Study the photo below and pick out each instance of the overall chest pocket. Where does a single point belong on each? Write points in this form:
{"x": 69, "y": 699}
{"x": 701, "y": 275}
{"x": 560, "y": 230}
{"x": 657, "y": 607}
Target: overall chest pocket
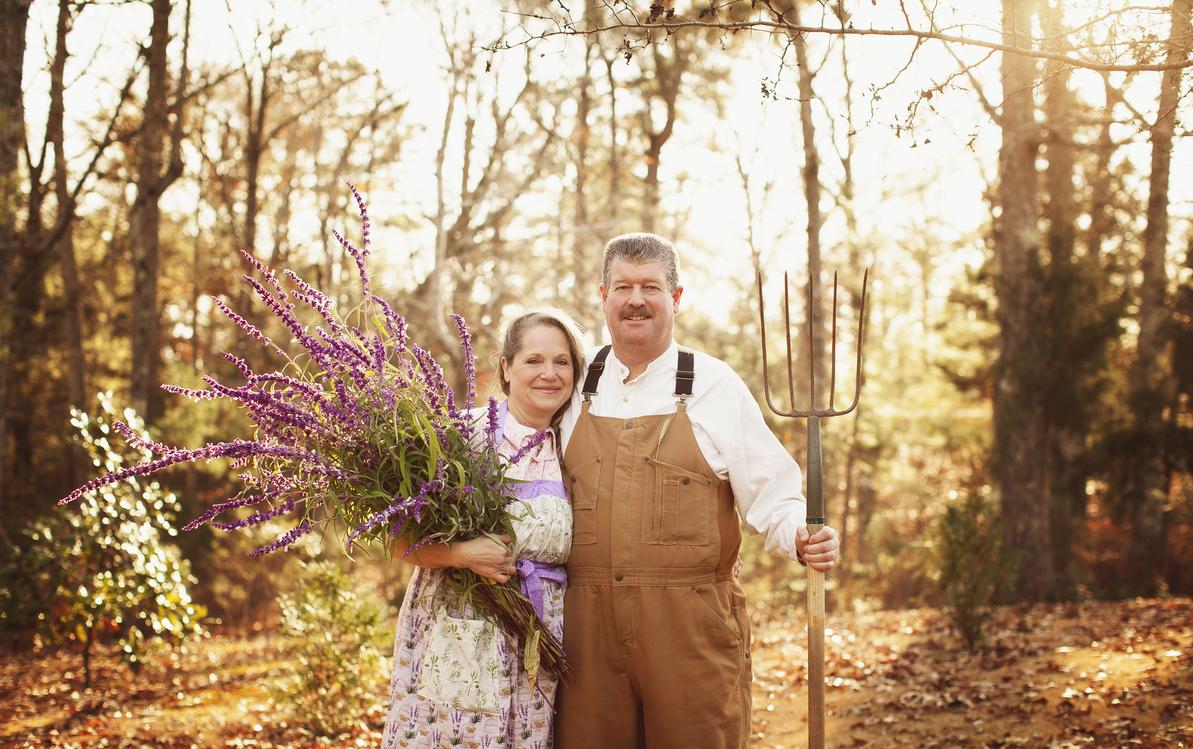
{"x": 582, "y": 486}
{"x": 677, "y": 505}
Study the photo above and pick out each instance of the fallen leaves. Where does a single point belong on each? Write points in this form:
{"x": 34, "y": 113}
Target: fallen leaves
{"x": 1054, "y": 677}
{"x": 1098, "y": 674}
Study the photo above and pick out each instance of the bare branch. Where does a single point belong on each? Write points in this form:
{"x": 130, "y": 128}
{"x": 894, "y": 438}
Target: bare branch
{"x": 563, "y": 26}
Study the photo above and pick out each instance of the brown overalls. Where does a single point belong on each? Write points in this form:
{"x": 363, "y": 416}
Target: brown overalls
{"x": 655, "y": 624}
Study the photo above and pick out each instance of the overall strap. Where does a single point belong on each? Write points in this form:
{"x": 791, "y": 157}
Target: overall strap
{"x": 595, "y": 369}
{"x": 685, "y": 373}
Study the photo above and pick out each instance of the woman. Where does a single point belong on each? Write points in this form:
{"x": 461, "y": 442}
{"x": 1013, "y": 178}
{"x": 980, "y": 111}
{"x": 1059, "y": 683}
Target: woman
{"x": 458, "y": 680}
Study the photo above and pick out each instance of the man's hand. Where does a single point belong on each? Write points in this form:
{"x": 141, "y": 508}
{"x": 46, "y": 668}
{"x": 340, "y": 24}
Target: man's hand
{"x": 819, "y": 551}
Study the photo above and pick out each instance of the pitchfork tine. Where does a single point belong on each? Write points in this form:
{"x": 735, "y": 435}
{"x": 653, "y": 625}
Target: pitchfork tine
{"x": 832, "y": 382}
{"x": 787, "y": 338}
{"x": 765, "y": 375}
{"x": 811, "y": 340}
{"x": 861, "y": 322}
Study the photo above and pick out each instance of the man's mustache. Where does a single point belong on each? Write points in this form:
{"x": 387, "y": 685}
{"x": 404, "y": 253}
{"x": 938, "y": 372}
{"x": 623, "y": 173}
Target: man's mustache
{"x": 636, "y": 311}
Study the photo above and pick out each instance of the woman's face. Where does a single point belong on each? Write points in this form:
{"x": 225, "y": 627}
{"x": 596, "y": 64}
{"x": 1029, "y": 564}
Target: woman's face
{"x": 540, "y": 375}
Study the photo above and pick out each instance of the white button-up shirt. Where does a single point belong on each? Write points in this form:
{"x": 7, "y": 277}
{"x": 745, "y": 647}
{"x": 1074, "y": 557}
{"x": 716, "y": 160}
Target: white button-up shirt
{"x": 736, "y": 442}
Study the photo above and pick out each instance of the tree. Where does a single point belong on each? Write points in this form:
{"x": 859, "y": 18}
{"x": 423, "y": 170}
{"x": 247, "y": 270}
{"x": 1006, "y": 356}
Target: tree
{"x": 494, "y": 149}
{"x": 1019, "y": 439}
{"x": 44, "y": 243}
{"x": 157, "y": 162}
{"x": 1151, "y": 383}
{"x": 14, "y": 16}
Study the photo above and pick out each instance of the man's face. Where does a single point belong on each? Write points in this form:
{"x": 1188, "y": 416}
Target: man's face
{"x": 639, "y": 306}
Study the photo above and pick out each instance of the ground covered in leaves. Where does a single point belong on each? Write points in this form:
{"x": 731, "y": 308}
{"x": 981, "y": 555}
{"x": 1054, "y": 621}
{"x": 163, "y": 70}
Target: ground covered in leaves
{"x": 1066, "y": 676}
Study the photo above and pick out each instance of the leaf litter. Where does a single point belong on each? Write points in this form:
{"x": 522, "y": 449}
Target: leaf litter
{"x": 1064, "y": 676}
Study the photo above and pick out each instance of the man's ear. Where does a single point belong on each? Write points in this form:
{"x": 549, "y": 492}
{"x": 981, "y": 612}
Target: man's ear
{"x": 604, "y": 293}
{"x": 675, "y": 295}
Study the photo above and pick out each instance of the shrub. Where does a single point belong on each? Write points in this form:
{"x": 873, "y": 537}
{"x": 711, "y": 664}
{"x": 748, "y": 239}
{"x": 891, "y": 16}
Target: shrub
{"x": 974, "y": 567}
{"x": 104, "y": 567}
{"x": 338, "y": 635}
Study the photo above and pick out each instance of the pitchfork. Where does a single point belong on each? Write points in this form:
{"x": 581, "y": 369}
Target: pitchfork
{"x": 815, "y": 497}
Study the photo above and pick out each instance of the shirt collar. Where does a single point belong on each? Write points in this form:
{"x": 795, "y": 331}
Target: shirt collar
{"x": 517, "y": 433}
{"x": 662, "y": 362}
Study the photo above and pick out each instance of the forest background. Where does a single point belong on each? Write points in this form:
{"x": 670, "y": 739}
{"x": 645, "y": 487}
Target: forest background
{"x": 1011, "y": 173}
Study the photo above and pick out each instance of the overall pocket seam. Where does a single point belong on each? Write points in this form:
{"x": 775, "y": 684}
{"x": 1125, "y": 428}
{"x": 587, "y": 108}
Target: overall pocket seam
{"x": 584, "y": 507}
{"x": 665, "y": 501}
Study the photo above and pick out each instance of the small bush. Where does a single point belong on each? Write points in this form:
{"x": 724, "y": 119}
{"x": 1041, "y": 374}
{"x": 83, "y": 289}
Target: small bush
{"x": 104, "y": 566}
{"x": 338, "y": 635}
{"x": 974, "y": 567}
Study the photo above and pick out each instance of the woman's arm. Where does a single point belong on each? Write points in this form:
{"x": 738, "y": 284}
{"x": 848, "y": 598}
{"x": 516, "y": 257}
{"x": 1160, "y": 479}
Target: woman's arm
{"x": 484, "y": 555}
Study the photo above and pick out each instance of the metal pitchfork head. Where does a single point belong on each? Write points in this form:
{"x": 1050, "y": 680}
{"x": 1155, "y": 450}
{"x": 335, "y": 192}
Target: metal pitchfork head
{"x": 814, "y": 466}
{"x": 812, "y": 410}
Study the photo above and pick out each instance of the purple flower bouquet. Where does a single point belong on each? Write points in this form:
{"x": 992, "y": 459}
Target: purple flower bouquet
{"x": 360, "y": 433}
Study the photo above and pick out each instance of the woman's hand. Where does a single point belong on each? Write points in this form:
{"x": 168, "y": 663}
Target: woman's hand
{"x": 487, "y": 556}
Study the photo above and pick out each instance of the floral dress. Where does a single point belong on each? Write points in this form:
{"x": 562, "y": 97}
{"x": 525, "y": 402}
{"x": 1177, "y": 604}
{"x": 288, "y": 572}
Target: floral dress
{"x": 459, "y": 680}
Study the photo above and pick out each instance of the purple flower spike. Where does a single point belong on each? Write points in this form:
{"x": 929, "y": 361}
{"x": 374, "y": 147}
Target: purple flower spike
{"x": 364, "y": 218}
{"x": 240, "y": 364}
{"x": 137, "y": 440}
{"x": 245, "y": 325}
{"x": 377, "y": 519}
{"x": 259, "y": 517}
{"x": 491, "y": 422}
{"x": 229, "y": 504}
{"x": 469, "y": 359}
{"x": 265, "y": 271}
{"x": 395, "y": 324}
{"x": 281, "y": 309}
{"x": 531, "y": 444}
{"x": 199, "y": 395}
{"x": 359, "y": 257}
{"x": 233, "y": 449}
{"x": 294, "y": 534}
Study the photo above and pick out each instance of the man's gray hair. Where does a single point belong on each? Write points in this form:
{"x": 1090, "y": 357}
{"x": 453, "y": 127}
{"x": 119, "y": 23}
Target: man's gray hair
{"x": 640, "y": 247}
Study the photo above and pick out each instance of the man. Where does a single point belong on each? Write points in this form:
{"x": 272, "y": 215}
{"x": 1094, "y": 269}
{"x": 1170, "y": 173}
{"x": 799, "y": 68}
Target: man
{"x": 665, "y": 450}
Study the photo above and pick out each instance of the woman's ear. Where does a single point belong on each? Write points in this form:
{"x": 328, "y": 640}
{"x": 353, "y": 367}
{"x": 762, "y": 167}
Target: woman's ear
{"x": 504, "y": 363}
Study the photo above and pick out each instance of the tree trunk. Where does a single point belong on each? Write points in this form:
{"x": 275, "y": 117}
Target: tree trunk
{"x": 14, "y": 16}
{"x": 65, "y": 245}
{"x": 1065, "y": 423}
{"x": 30, "y": 263}
{"x": 1101, "y": 204}
{"x": 145, "y": 220}
{"x": 1018, "y": 438}
{"x": 256, "y": 104}
{"x": 1151, "y": 374}
{"x": 668, "y": 75}
{"x": 614, "y": 152}
{"x": 857, "y": 467}
{"x": 585, "y": 244}
{"x": 438, "y": 279}
{"x": 810, "y": 174}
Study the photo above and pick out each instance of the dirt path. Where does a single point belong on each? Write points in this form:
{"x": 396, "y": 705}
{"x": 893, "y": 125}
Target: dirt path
{"x": 1056, "y": 677}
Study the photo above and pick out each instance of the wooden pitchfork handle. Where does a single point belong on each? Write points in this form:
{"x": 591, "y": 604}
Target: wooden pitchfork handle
{"x": 815, "y": 497}
{"x": 815, "y": 653}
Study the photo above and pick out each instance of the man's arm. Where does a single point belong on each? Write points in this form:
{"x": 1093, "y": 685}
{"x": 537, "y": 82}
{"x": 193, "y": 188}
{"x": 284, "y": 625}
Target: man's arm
{"x": 768, "y": 483}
